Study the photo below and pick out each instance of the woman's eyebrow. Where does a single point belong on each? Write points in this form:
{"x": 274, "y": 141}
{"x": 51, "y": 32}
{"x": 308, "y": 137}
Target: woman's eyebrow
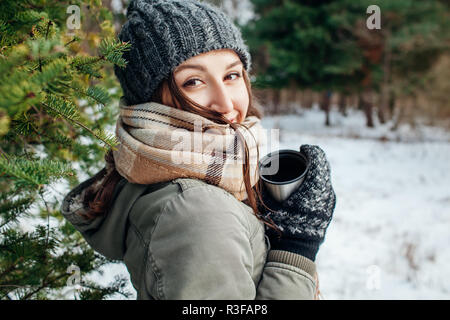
{"x": 201, "y": 68}
{"x": 237, "y": 62}
{"x": 189, "y": 66}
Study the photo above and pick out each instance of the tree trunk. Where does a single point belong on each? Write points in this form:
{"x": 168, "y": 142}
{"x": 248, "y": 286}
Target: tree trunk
{"x": 360, "y": 104}
{"x": 391, "y": 104}
{"x": 292, "y": 97}
{"x": 276, "y": 101}
{"x": 406, "y": 113}
{"x": 325, "y": 106}
{"x": 400, "y": 116}
{"x": 284, "y": 101}
{"x": 382, "y": 106}
{"x": 342, "y": 104}
{"x": 307, "y": 99}
{"x": 367, "y": 105}
{"x": 412, "y": 112}
{"x": 298, "y": 99}
{"x": 385, "y": 86}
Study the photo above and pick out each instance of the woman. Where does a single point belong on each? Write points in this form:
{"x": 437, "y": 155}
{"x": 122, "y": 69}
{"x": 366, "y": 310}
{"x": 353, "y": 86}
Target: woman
{"x": 197, "y": 229}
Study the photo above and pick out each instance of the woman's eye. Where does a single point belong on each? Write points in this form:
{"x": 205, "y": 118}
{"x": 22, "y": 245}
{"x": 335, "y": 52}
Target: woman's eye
{"x": 235, "y": 74}
{"x": 190, "y": 83}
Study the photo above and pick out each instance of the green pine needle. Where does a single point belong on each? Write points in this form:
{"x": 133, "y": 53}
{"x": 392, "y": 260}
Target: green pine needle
{"x": 33, "y": 173}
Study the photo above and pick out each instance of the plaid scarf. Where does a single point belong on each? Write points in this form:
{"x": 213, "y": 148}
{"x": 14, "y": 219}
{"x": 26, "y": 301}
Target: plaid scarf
{"x": 159, "y": 143}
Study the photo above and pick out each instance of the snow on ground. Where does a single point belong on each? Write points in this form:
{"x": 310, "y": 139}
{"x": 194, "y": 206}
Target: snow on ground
{"x": 390, "y": 235}
{"x": 391, "y": 228}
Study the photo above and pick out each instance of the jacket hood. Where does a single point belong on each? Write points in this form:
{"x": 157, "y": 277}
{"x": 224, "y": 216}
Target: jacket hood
{"x": 73, "y": 202}
{"x": 105, "y": 233}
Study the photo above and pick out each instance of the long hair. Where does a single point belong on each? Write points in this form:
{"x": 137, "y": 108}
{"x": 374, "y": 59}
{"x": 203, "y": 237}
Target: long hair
{"x": 99, "y": 199}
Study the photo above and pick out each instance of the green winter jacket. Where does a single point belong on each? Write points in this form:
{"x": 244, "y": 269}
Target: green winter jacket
{"x": 187, "y": 239}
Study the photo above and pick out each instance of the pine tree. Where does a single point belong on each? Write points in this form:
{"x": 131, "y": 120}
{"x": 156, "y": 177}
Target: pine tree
{"x": 325, "y": 45}
{"x": 413, "y": 34}
{"x": 294, "y": 43}
{"x": 56, "y": 91}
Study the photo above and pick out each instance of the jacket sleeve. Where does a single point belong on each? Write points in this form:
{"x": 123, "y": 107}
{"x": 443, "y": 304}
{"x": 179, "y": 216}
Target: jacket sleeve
{"x": 200, "y": 249}
{"x": 287, "y": 276}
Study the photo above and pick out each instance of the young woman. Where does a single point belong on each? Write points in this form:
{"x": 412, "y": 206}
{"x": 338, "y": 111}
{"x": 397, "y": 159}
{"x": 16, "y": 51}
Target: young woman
{"x": 197, "y": 229}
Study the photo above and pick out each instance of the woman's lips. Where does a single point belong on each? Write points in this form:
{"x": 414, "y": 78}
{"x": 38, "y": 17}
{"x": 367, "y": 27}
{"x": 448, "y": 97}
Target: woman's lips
{"x": 233, "y": 118}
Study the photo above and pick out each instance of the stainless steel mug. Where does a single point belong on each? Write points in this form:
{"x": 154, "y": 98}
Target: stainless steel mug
{"x": 282, "y": 172}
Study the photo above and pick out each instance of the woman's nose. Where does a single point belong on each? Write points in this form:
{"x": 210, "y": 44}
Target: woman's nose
{"x": 221, "y": 100}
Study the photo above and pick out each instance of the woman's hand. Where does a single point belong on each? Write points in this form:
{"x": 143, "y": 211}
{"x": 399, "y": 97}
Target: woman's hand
{"x": 304, "y": 217}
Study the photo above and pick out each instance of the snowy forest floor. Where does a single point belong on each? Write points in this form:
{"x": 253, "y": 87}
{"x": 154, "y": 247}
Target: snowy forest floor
{"x": 390, "y": 235}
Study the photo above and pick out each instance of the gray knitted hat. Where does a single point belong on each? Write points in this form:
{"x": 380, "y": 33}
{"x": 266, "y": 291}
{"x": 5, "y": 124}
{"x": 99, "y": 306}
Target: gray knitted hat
{"x": 163, "y": 34}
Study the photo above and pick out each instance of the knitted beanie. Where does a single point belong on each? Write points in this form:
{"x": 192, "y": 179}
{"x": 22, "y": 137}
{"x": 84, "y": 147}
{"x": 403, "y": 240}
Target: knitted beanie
{"x": 165, "y": 33}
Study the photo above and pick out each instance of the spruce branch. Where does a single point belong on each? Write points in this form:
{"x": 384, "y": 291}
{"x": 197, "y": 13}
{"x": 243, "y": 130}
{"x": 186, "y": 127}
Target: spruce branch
{"x": 112, "y": 50}
{"x": 68, "y": 111}
{"x": 33, "y": 173}
{"x": 41, "y": 195}
{"x": 43, "y": 79}
{"x": 50, "y": 73}
{"x": 87, "y": 65}
{"x": 11, "y": 268}
{"x": 44, "y": 285}
{"x": 11, "y": 210}
{"x": 74, "y": 39}
{"x": 99, "y": 95}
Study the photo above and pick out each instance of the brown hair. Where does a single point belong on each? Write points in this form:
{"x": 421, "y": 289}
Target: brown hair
{"x": 99, "y": 199}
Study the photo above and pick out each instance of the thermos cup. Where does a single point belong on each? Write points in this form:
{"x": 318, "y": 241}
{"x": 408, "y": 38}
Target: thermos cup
{"x": 282, "y": 172}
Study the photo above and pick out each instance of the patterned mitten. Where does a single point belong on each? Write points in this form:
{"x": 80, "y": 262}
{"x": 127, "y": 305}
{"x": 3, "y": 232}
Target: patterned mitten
{"x": 305, "y": 215}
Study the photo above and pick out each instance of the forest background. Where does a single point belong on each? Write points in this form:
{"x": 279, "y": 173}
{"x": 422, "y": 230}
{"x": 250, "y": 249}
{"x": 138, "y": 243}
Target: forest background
{"x": 388, "y": 61}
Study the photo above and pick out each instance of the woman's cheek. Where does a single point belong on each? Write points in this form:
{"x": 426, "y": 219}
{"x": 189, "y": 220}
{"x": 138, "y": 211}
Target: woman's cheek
{"x": 199, "y": 97}
{"x": 243, "y": 102}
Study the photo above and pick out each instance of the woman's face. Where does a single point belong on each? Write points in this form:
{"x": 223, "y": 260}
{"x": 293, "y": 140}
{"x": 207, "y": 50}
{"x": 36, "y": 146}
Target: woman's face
{"x": 215, "y": 81}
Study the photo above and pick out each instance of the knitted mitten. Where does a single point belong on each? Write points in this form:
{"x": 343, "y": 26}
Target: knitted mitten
{"x": 305, "y": 215}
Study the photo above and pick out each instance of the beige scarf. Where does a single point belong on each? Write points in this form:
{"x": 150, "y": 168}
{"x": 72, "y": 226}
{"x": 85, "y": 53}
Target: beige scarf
{"x": 159, "y": 143}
